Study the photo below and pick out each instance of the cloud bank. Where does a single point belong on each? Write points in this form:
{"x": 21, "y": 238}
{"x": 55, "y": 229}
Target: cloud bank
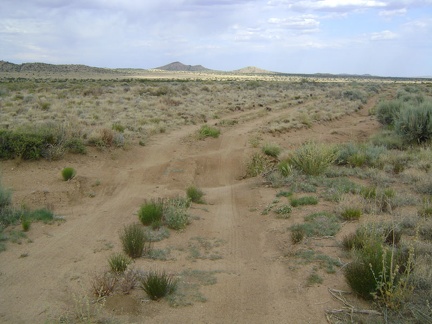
{"x": 389, "y": 38}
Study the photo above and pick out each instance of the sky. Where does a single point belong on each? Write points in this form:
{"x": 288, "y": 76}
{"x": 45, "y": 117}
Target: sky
{"x": 382, "y": 37}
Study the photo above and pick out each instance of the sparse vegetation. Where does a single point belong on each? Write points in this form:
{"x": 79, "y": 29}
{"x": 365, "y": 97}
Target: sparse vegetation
{"x": 386, "y": 177}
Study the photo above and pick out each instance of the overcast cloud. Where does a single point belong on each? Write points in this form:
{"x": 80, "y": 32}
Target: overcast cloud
{"x": 387, "y": 38}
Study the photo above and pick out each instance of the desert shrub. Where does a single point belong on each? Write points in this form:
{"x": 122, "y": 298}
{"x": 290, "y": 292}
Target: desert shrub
{"x": 195, "y": 194}
{"x": 5, "y": 199}
{"x": 151, "y": 212}
{"x": 358, "y": 155}
{"x": 175, "y": 213}
{"x": 318, "y": 225}
{"x": 25, "y": 224}
{"x": 119, "y": 262}
{"x": 129, "y": 280}
{"x": 75, "y": 145}
{"x": 283, "y": 211}
{"x": 380, "y": 200}
{"x": 369, "y": 192}
{"x": 380, "y": 269}
{"x": 33, "y": 142}
{"x": 425, "y": 210}
{"x": 388, "y": 139}
{"x": 355, "y": 94}
{"x": 68, "y": 173}
{"x": 134, "y": 241}
{"x": 312, "y": 158}
{"x": 43, "y": 215}
{"x": 208, "y": 131}
{"x": 414, "y": 123}
{"x": 158, "y": 285}
{"x": 297, "y": 234}
{"x": 352, "y": 241}
{"x": 25, "y": 145}
{"x": 103, "y": 284}
{"x": 322, "y": 224}
{"x": 256, "y": 165}
{"x": 118, "y": 127}
{"x": 271, "y": 150}
{"x": 387, "y": 111}
{"x": 302, "y": 201}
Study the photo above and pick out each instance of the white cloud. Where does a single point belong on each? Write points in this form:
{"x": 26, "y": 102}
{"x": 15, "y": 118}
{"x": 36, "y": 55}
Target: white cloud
{"x": 306, "y": 23}
{"x": 384, "y": 35}
{"x": 393, "y": 13}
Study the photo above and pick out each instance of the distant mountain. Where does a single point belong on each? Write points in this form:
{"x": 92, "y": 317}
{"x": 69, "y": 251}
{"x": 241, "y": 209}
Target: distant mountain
{"x": 252, "y": 70}
{"x": 178, "y": 66}
{"x": 44, "y": 67}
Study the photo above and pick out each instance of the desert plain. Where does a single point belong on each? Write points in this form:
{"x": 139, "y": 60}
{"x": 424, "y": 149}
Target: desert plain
{"x": 237, "y": 260}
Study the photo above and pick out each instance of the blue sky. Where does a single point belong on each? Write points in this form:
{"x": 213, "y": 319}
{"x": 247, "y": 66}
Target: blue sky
{"x": 382, "y": 37}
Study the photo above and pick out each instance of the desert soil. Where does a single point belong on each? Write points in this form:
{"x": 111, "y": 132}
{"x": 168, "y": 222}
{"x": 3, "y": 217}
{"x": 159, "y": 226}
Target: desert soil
{"x": 258, "y": 280}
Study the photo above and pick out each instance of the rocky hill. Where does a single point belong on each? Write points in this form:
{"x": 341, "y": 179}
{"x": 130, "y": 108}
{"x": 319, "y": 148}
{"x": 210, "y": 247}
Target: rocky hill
{"x": 178, "y": 66}
{"x": 50, "y": 68}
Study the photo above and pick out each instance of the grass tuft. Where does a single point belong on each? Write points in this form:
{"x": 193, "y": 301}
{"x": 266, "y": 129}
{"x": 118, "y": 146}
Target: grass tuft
{"x": 312, "y": 158}
{"x": 68, "y": 173}
{"x": 119, "y": 262}
{"x": 158, "y": 285}
{"x": 195, "y": 194}
{"x": 208, "y": 131}
{"x": 134, "y": 241}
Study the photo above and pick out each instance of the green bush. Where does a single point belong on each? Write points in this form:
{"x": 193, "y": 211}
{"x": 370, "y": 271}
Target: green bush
{"x": 359, "y": 155}
{"x": 134, "y": 241}
{"x": 151, "y": 212}
{"x": 68, "y": 173}
{"x": 312, "y": 158}
{"x": 28, "y": 146}
{"x": 387, "y": 111}
{"x": 158, "y": 285}
{"x": 208, "y": 131}
{"x": 271, "y": 150}
{"x": 48, "y": 140}
{"x": 379, "y": 271}
{"x": 119, "y": 262}
{"x": 195, "y": 194}
{"x": 414, "y": 123}
{"x": 43, "y": 215}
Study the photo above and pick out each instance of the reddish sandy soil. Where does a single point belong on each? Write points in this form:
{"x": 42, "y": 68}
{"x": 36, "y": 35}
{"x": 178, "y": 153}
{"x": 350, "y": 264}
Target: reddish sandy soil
{"x": 257, "y": 279}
